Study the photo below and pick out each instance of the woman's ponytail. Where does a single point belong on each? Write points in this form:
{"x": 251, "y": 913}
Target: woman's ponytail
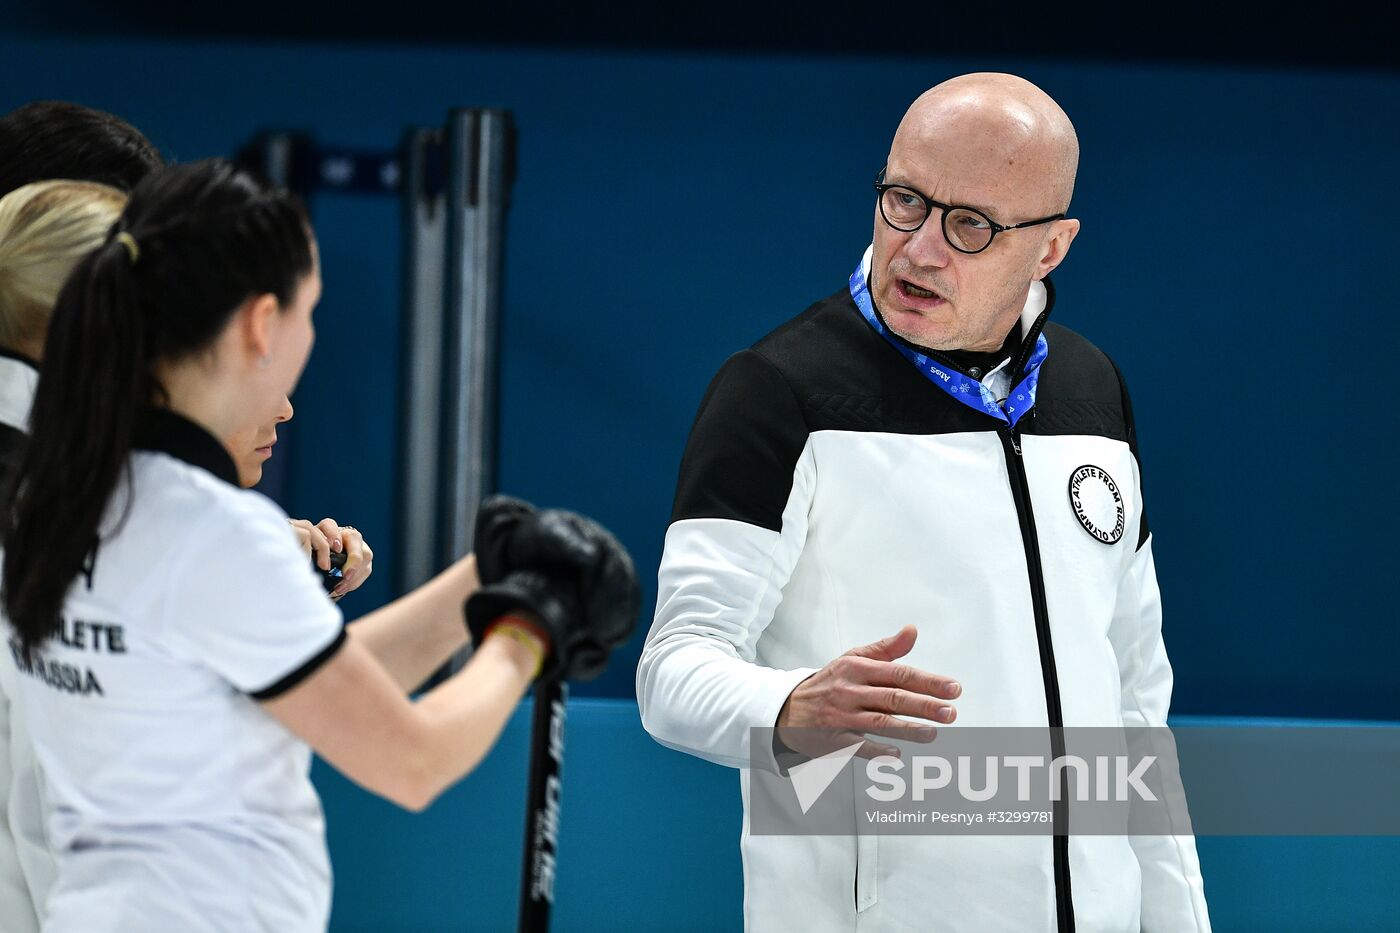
{"x": 92, "y": 384}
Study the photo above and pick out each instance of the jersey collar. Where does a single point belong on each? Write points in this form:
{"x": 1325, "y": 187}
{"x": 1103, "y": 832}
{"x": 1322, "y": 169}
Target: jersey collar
{"x": 164, "y": 431}
{"x": 19, "y": 376}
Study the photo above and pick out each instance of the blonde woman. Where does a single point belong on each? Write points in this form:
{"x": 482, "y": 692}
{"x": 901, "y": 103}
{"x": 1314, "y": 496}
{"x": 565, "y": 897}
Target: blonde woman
{"x": 45, "y": 228}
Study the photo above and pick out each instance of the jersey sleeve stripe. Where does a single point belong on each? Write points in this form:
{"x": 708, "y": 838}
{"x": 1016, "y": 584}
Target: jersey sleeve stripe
{"x": 301, "y": 673}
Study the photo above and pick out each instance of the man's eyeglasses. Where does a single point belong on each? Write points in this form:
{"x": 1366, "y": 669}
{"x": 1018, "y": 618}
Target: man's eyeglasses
{"x": 966, "y": 229}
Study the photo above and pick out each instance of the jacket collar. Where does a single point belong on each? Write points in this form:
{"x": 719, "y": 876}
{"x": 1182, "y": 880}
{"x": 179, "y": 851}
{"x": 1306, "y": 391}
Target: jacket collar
{"x": 163, "y": 431}
{"x": 1039, "y": 303}
{"x": 1033, "y": 320}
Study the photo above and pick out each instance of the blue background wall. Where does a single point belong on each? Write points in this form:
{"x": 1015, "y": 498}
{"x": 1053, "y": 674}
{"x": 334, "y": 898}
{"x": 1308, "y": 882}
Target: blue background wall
{"x": 1236, "y": 259}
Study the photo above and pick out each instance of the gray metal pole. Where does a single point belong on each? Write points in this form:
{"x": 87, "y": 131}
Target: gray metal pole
{"x": 424, "y": 302}
{"x": 478, "y": 154}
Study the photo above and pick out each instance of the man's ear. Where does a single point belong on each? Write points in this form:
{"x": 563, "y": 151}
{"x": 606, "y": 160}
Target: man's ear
{"x": 1062, "y": 234}
{"x": 258, "y": 318}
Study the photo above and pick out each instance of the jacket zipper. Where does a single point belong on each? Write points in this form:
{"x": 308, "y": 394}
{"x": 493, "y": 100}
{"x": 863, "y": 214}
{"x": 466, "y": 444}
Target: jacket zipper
{"x": 1021, "y": 493}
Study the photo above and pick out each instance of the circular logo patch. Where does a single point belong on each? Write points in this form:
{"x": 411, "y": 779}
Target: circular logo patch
{"x": 1097, "y": 503}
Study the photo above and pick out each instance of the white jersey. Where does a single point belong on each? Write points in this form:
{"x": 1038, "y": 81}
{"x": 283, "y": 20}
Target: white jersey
{"x": 174, "y": 802}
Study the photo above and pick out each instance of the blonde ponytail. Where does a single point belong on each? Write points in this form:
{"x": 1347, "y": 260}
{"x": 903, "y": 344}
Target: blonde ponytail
{"x": 45, "y": 229}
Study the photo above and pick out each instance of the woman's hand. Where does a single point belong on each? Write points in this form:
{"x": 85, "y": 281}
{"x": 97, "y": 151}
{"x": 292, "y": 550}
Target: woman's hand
{"x": 328, "y": 537}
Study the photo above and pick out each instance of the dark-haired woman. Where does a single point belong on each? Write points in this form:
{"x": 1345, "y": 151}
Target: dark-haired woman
{"x": 46, "y": 228}
{"x": 175, "y": 658}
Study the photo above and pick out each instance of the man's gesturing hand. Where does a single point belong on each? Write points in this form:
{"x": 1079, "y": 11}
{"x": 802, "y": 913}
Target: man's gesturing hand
{"x": 865, "y": 692}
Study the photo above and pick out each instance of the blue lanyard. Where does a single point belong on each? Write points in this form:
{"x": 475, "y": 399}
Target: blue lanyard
{"x": 965, "y": 389}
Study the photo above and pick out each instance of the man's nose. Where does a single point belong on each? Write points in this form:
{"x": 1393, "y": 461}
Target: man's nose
{"x": 927, "y": 246}
{"x": 285, "y": 412}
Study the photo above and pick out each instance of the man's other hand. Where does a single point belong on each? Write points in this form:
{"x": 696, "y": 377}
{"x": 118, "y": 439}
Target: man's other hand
{"x": 864, "y": 692}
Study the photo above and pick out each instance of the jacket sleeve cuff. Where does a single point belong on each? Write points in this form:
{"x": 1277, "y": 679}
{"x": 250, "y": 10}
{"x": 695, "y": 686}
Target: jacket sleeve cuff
{"x": 763, "y": 755}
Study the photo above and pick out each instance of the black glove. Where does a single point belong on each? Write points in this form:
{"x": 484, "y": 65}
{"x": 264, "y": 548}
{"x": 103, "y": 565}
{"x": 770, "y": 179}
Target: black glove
{"x": 497, "y": 520}
{"x": 569, "y": 549}
{"x": 550, "y": 603}
{"x": 565, "y": 544}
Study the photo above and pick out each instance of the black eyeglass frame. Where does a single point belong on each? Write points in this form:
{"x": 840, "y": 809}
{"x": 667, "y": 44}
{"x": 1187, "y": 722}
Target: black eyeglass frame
{"x": 930, "y": 204}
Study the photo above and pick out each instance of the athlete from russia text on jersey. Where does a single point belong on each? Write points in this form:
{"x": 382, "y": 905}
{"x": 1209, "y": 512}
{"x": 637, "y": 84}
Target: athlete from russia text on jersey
{"x": 922, "y": 466}
{"x": 46, "y": 227}
{"x": 178, "y": 793}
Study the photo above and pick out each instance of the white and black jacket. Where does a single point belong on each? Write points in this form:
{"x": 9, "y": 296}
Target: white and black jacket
{"x": 830, "y": 494}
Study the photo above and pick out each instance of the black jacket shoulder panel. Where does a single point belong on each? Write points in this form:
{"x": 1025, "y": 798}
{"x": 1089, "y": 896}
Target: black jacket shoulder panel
{"x": 848, "y": 378}
{"x": 747, "y": 438}
{"x": 1079, "y": 391}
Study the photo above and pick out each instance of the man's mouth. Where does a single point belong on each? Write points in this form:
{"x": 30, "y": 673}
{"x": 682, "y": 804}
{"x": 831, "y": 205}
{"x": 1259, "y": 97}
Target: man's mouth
{"x": 918, "y": 292}
{"x": 918, "y": 298}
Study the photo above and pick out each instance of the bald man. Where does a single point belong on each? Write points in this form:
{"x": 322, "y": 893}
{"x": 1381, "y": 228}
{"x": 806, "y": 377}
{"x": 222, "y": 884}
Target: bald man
{"x": 916, "y": 502}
